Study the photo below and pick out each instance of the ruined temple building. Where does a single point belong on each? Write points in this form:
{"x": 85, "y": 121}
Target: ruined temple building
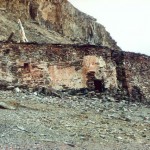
{"x": 67, "y": 49}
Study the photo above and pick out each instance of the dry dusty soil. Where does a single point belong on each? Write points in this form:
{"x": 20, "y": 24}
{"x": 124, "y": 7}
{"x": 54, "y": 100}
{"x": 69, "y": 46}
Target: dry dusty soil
{"x": 34, "y": 122}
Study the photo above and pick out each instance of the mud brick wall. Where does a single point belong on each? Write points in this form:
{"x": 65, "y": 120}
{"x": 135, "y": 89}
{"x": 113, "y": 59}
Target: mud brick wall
{"x": 74, "y": 67}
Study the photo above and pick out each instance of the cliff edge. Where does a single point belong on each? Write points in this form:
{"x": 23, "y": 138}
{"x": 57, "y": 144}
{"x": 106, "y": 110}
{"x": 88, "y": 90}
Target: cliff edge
{"x": 52, "y": 21}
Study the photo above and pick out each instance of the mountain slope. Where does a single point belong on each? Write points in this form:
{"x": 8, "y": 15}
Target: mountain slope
{"x": 53, "y": 21}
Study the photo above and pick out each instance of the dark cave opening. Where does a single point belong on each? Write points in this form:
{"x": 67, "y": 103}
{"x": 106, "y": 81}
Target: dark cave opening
{"x": 95, "y": 84}
{"x": 99, "y": 85}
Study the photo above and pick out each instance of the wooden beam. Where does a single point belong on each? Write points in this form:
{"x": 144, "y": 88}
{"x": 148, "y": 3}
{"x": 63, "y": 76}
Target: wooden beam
{"x": 22, "y": 32}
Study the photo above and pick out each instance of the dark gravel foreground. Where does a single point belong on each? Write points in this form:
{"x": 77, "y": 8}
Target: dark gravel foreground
{"x": 34, "y": 122}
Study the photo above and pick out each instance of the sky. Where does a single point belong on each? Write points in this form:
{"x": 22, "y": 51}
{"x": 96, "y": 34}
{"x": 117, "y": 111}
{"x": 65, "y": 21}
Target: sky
{"x": 127, "y": 21}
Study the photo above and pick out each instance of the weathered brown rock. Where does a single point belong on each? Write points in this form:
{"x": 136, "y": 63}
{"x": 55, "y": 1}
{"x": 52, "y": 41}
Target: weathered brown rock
{"x": 62, "y": 17}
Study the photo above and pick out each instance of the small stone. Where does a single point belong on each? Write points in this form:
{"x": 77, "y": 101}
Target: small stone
{"x": 17, "y": 90}
{"x": 90, "y": 121}
{"x": 119, "y": 138}
{"x": 128, "y": 118}
{"x": 10, "y": 87}
{"x": 70, "y": 143}
{"x": 143, "y": 135}
{"x": 4, "y": 105}
{"x": 103, "y": 136}
{"x": 21, "y": 128}
{"x": 35, "y": 93}
{"x": 111, "y": 99}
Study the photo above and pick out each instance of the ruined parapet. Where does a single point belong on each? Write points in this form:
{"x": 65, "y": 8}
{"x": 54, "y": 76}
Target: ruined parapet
{"x": 74, "y": 67}
{"x": 62, "y": 17}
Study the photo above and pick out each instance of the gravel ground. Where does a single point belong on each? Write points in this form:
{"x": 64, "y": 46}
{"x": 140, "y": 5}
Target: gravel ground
{"x": 31, "y": 121}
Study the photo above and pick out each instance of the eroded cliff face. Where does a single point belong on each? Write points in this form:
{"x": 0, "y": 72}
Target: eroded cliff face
{"x": 61, "y": 67}
{"x": 62, "y": 17}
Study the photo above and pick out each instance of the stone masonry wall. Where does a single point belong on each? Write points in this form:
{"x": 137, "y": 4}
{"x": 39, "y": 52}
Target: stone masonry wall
{"x": 133, "y": 74}
{"x": 74, "y": 67}
{"x": 55, "y": 65}
{"x": 138, "y": 74}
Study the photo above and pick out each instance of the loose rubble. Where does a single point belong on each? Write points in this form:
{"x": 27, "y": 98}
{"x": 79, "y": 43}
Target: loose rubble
{"x": 73, "y": 122}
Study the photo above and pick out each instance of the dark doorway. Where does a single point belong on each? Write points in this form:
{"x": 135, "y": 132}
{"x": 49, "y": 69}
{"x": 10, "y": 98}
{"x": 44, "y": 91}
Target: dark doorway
{"x": 26, "y": 67}
{"x": 90, "y": 80}
{"x": 99, "y": 85}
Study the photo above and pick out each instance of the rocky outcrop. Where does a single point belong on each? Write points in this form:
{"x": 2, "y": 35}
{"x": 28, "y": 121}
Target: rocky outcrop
{"x": 62, "y": 17}
{"x": 75, "y": 67}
